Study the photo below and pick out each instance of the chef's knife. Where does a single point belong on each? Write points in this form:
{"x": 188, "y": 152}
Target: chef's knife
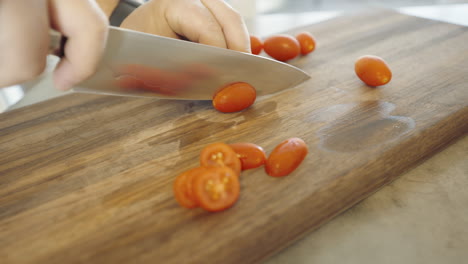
{"x": 140, "y": 64}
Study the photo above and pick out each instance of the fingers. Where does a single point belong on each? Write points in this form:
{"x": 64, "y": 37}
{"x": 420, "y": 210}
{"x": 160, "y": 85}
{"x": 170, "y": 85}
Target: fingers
{"x": 233, "y": 26}
{"x": 196, "y": 23}
{"x": 85, "y": 27}
{"x": 24, "y": 38}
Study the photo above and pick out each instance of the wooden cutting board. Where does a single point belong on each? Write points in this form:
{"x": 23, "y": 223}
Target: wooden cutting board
{"x": 88, "y": 179}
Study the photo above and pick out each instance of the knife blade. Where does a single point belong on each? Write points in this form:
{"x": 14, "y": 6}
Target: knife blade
{"x": 146, "y": 65}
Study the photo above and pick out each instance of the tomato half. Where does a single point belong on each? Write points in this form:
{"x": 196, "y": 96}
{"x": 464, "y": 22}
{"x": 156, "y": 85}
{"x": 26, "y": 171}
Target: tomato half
{"x": 183, "y": 187}
{"x": 372, "y": 70}
{"x": 220, "y": 154}
{"x": 217, "y": 188}
{"x": 256, "y": 45}
{"x": 286, "y": 157}
{"x": 282, "y": 47}
{"x": 250, "y": 155}
{"x": 307, "y": 42}
{"x": 234, "y": 97}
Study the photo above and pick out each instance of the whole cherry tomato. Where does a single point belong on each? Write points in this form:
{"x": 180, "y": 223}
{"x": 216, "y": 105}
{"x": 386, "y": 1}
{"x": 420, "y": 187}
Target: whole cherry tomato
{"x": 216, "y": 189}
{"x": 183, "y": 187}
{"x": 282, "y": 47}
{"x": 286, "y": 157}
{"x": 372, "y": 70}
{"x": 234, "y": 97}
{"x": 250, "y": 155}
{"x": 256, "y": 45}
{"x": 218, "y": 155}
{"x": 307, "y": 42}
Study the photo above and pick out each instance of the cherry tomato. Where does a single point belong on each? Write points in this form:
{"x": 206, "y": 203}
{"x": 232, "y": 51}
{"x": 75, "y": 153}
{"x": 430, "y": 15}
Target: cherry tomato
{"x": 282, "y": 47}
{"x": 372, "y": 70}
{"x": 250, "y": 155}
{"x": 286, "y": 157}
{"x": 220, "y": 154}
{"x": 307, "y": 42}
{"x": 183, "y": 187}
{"x": 256, "y": 45}
{"x": 216, "y": 189}
{"x": 234, "y": 97}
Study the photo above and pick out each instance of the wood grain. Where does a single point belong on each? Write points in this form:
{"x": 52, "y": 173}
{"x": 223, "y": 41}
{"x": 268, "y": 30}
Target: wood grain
{"x": 88, "y": 179}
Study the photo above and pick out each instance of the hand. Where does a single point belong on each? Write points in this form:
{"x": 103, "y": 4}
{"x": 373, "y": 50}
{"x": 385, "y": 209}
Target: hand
{"x": 210, "y": 22}
{"x": 24, "y": 39}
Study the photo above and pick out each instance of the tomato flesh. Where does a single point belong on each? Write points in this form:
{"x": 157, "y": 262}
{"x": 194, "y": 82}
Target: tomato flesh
{"x": 251, "y": 155}
{"x": 286, "y": 157}
{"x": 234, "y": 97}
{"x": 218, "y": 155}
{"x": 256, "y": 45}
{"x": 282, "y": 47}
{"x": 372, "y": 70}
{"x": 307, "y": 42}
{"x": 217, "y": 188}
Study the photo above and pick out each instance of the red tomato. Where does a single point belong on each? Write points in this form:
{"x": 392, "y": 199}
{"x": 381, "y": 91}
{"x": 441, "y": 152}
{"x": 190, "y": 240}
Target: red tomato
{"x": 256, "y": 45}
{"x": 220, "y": 154}
{"x": 234, "y": 97}
{"x": 216, "y": 189}
{"x": 282, "y": 47}
{"x": 250, "y": 155}
{"x": 307, "y": 42}
{"x": 372, "y": 70}
{"x": 286, "y": 157}
{"x": 183, "y": 187}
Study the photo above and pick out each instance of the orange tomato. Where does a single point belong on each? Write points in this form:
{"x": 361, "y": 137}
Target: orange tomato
{"x": 286, "y": 157}
{"x": 183, "y": 187}
{"x": 250, "y": 155}
{"x": 216, "y": 189}
{"x": 307, "y": 42}
{"x": 220, "y": 154}
{"x": 372, "y": 70}
{"x": 256, "y": 45}
{"x": 234, "y": 97}
{"x": 282, "y": 47}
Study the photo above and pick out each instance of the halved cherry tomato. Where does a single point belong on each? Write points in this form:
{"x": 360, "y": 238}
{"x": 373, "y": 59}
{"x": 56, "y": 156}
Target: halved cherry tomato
{"x": 307, "y": 42}
{"x": 234, "y": 97}
{"x": 372, "y": 70}
{"x": 286, "y": 157}
{"x": 216, "y": 189}
{"x": 250, "y": 155}
{"x": 183, "y": 187}
{"x": 220, "y": 154}
{"x": 282, "y": 47}
{"x": 256, "y": 45}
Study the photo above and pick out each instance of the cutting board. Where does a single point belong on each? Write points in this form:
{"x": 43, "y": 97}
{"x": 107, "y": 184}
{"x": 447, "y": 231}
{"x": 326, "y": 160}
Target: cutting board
{"x": 88, "y": 179}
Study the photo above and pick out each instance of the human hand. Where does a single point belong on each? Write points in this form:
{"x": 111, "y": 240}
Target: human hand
{"x": 24, "y": 39}
{"x": 210, "y": 22}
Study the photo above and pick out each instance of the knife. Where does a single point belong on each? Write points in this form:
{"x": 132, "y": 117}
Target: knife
{"x": 145, "y": 65}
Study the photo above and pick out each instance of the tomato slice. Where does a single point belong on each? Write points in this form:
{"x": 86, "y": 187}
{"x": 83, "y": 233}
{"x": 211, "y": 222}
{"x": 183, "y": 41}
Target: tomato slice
{"x": 220, "y": 154}
{"x": 216, "y": 189}
{"x": 234, "y": 97}
{"x": 183, "y": 187}
{"x": 250, "y": 155}
{"x": 307, "y": 42}
{"x": 286, "y": 157}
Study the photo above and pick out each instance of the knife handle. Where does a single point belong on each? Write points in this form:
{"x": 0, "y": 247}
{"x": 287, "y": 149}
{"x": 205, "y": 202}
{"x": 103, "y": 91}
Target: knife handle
{"x": 57, "y": 43}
